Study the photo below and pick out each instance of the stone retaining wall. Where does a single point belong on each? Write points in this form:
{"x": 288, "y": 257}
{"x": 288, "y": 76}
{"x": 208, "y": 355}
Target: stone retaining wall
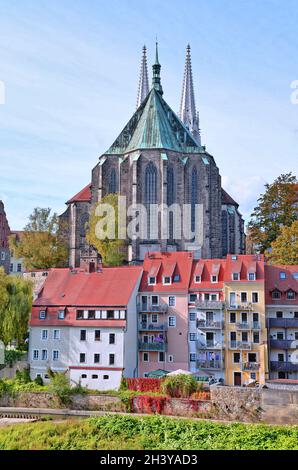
{"x": 236, "y": 403}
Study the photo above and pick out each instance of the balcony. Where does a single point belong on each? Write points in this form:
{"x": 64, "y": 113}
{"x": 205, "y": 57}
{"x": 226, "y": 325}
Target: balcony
{"x": 249, "y": 325}
{"x": 240, "y": 345}
{"x": 209, "y": 305}
{"x": 209, "y": 345}
{"x": 143, "y": 326}
{"x": 158, "y": 346}
{"x": 148, "y": 308}
{"x": 210, "y": 324}
{"x": 280, "y": 366}
{"x": 283, "y": 322}
{"x": 250, "y": 366}
{"x": 242, "y": 306}
{"x": 283, "y": 344}
{"x": 211, "y": 365}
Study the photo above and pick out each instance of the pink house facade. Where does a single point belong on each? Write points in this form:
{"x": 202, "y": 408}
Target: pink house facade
{"x": 163, "y": 312}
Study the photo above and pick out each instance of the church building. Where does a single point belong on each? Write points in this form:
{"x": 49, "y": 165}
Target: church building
{"x": 158, "y": 159}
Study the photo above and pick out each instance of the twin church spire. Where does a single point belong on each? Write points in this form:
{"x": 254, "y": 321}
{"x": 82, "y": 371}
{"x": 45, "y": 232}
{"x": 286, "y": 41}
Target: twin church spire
{"x": 188, "y": 114}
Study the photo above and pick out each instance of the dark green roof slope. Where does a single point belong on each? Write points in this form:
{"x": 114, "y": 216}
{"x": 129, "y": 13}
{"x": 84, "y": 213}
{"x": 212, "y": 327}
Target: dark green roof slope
{"x": 154, "y": 126}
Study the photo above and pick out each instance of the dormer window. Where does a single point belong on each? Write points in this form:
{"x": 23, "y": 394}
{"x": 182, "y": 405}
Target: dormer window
{"x": 42, "y": 314}
{"x": 167, "y": 280}
{"x": 295, "y": 276}
{"x": 197, "y": 279}
{"x": 213, "y": 279}
{"x": 234, "y": 257}
{"x": 276, "y": 294}
{"x": 151, "y": 280}
{"x": 282, "y": 275}
{"x": 290, "y": 294}
{"x": 61, "y": 314}
{"x": 235, "y": 276}
{"x": 251, "y": 276}
{"x": 176, "y": 278}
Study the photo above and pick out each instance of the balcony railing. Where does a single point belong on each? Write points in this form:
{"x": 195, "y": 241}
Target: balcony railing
{"x": 152, "y": 346}
{"x": 210, "y": 324}
{"x": 241, "y": 306}
{"x": 247, "y": 366}
{"x": 249, "y": 325}
{"x": 240, "y": 345}
{"x": 283, "y": 344}
{"x": 283, "y": 322}
{"x": 281, "y": 366}
{"x": 161, "y": 308}
{"x": 153, "y": 326}
{"x": 209, "y": 345}
{"x": 212, "y": 365}
{"x": 209, "y": 305}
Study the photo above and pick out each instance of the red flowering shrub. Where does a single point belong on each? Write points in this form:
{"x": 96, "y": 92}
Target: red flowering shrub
{"x": 201, "y": 395}
{"x": 144, "y": 385}
{"x": 149, "y": 404}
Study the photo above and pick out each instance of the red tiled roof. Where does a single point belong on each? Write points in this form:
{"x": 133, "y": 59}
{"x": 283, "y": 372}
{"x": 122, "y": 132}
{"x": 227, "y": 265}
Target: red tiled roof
{"x": 83, "y": 196}
{"x": 243, "y": 264}
{"x": 110, "y": 288}
{"x": 273, "y": 281}
{"x": 206, "y": 268}
{"x": 179, "y": 263}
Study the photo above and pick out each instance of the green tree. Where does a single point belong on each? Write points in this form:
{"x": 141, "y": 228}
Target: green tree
{"x": 15, "y": 308}
{"x": 276, "y": 209}
{"x": 43, "y": 244}
{"x": 102, "y": 232}
{"x": 284, "y": 250}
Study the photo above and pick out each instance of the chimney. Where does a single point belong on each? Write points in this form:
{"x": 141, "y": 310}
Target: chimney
{"x": 90, "y": 260}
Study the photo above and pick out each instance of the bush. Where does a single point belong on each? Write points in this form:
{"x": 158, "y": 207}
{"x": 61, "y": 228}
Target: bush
{"x": 12, "y": 356}
{"x": 38, "y": 380}
{"x": 23, "y": 376}
{"x": 59, "y": 387}
{"x": 144, "y": 385}
{"x": 179, "y": 386}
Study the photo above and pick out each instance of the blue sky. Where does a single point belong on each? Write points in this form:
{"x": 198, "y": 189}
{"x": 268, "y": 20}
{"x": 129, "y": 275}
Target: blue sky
{"x": 70, "y": 71}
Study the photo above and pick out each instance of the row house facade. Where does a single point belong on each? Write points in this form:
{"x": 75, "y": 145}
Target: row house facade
{"x": 83, "y": 323}
{"x": 282, "y": 320}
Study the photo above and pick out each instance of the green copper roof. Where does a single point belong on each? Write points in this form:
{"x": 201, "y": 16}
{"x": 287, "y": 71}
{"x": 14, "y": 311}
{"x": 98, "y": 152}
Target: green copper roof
{"x": 154, "y": 126}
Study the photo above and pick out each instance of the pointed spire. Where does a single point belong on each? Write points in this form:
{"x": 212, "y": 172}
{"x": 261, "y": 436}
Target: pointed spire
{"x": 188, "y": 114}
{"x": 156, "y": 72}
{"x": 143, "y": 82}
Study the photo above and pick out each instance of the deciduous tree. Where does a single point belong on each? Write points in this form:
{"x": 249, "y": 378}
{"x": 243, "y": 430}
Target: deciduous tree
{"x": 284, "y": 250}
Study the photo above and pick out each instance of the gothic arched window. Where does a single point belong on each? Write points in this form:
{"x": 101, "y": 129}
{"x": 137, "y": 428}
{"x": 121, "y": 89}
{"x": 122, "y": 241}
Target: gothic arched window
{"x": 194, "y": 197}
{"x": 150, "y": 191}
{"x": 113, "y": 182}
{"x": 170, "y": 198}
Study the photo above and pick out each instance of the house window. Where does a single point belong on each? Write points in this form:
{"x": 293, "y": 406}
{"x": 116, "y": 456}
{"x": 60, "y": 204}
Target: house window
{"x": 55, "y": 355}
{"x": 111, "y": 359}
{"x": 193, "y": 297}
{"x": 151, "y": 280}
{"x": 256, "y": 337}
{"x": 282, "y": 275}
{"x": 44, "y": 334}
{"x": 44, "y": 355}
{"x": 94, "y": 376}
{"x": 251, "y": 276}
{"x": 172, "y": 322}
{"x": 42, "y": 314}
{"x": 213, "y": 279}
{"x": 197, "y": 279}
{"x": 91, "y": 314}
{"x": 112, "y": 338}
{"x": 279, "y": 314}
{"x": 82, "y": 358}
{"x": 35, "y": 354}
{"x": 161, "y": 356}
{"x": 192, "y": 357}
{"x": 84, "y": 376}
{"x": 106, "y": 377}
{"x": 243, "y": 297}
{"x": 154, "y": 318}
{"x": 276, "y": 294}
{"x": 253, "y": 376}
{"x": 236, "y": 358}
{"x": 110, "y": 314}
{"x": 166, "y": 280}
{"x": 170, "y": 358}
{"x": 19, "y": 268}
{"x": 56, "y": 334}
{"x": 154, "y": 300}
{"x": 83, "y": 335}
{"x": 232, "y": 317}
{"x": 255, "y": 297}
{"x": 176, "y": 278}
{"x": 97, "y": 335}
{"x": 290, "y": 295}
{"x": 61, "y": 314}
{"x": 192, "y": 336}
{"x": 235, "y": 276}
{"x": 96, "y": 358}
{"x": 192, "y": 316}
{"x": 214, "y": 297}
{"x": 80, "y": 314}
{"x": 172, "y": 301}
{"x": 145, "y": 357}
